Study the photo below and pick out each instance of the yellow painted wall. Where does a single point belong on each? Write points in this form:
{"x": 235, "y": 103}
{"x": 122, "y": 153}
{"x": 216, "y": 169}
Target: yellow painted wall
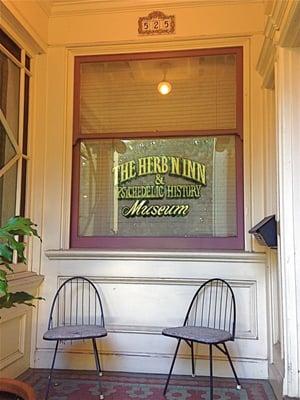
{"x": 115, "y": 31}
{"x": 200, "y": 21}
{"x": 32, "y": 17}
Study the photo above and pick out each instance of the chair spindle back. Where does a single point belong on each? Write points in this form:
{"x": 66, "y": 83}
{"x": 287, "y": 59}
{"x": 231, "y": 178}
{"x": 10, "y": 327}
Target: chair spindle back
{"x": 76, "y": 302}
{"x": 213, "y": 306}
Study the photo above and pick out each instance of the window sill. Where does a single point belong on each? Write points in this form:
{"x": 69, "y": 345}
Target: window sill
{"x": 219, "y": 256}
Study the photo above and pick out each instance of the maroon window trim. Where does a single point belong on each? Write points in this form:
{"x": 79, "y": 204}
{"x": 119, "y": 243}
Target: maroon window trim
{"x": 160, "y": 243}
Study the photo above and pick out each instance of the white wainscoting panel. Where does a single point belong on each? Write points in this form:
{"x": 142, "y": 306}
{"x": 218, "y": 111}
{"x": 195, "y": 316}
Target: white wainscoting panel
{"x": 16, "y": 327}
{"x": 12, "y": 339}
{"x": 142, "y": 295}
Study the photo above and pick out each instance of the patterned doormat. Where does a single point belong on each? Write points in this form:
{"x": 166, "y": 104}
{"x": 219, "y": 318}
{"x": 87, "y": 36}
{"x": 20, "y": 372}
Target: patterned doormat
{"x": 82, "y": 385}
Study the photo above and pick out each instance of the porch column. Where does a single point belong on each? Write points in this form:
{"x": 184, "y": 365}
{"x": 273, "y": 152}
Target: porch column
{"x": 287, "y": 84}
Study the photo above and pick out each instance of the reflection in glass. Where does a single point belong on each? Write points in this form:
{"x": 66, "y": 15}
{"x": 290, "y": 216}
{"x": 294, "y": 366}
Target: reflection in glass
{"x": 158, "y": 187}
{"x": 122, "y": 96}
{"x": 7, "y": 151}
{"x": 10, "y": 92}
{"x": 8, "y": 184}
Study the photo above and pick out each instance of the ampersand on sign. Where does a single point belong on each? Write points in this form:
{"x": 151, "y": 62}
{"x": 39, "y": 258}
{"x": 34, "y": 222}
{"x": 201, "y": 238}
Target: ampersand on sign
{"x": 159, "y": 180}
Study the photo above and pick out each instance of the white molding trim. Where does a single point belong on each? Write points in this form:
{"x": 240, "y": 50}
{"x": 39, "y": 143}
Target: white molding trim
{"x": 146, "y": 280}
{"x": 282, "y": 29}
{"x": 24, "y": 280}
{"x": 266, "y": 61}
{"x": 152, "y": 43}
{"x": 182, "y": 356}
{"x": 251, "y": 285}
{"x": 127, "y": 47}
{"x": 20, "y": 29}
{"x": 265, "y": 65}
{"x": 46, "y": 6}
{"x": 84, "y": 254}
{"x": 290, "y": 33}
{"x": 78, "y": 7}
{"x": 255, "y": 368}
{"x": 288, "y": 101}
{"x": 275, "y": 17}
{"x": 156, "y": 330}
{"x": 20, "y": 350}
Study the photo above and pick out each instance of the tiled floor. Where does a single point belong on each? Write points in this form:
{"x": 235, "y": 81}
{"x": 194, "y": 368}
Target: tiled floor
{"x": 83, "y": 385}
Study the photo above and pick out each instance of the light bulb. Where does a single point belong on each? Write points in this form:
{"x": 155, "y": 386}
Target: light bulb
{"x": 164, "y": 87}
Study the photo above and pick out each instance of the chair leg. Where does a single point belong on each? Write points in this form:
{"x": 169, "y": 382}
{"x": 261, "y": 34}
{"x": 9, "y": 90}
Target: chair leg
{"x": 232, "y": 367}
{"x": 97, "y": 362}
{"x": 51, "y": 370}
{"x": 211, "y": 384}
{"x": 171, "y": 369}
{"x": 193, "y": 360}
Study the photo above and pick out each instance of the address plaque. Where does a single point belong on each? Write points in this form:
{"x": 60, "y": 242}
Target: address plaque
{"x": 156, "y": 23}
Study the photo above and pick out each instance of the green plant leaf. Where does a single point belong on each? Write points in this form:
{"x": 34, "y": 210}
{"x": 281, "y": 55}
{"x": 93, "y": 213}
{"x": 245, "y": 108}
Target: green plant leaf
{"x": 16, "y": 226}
{"x": 2, "y": 275}
{"x": 3, "y": 289}
{"x": 8, "y": 243}
{"x": 21, "y": 226}
{"x": 12, "y": 299}
{"x": 7, "y": 266}
{"x": 6, "y": 252}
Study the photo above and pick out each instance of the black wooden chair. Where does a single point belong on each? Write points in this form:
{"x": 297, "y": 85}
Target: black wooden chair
{"x": 76, "y": 314}
{"x": 210, "y": 320}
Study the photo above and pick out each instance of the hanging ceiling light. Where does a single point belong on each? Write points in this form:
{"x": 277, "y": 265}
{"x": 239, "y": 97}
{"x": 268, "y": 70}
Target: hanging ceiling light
{"x": 164, "y": 87}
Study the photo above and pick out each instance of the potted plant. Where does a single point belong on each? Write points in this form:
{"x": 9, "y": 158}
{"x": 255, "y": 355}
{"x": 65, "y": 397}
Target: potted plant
{"x": 12, "y": 250}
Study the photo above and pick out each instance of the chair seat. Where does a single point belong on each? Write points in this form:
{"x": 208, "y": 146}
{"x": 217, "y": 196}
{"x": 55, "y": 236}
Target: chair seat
{"x": 198, "y": 334}
{"x": 73, "y": 332}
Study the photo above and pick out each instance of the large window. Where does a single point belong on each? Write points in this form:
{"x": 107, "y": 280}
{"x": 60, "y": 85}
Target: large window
{"x": 153, "y": 170}
{"x": 14, "y": 99}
